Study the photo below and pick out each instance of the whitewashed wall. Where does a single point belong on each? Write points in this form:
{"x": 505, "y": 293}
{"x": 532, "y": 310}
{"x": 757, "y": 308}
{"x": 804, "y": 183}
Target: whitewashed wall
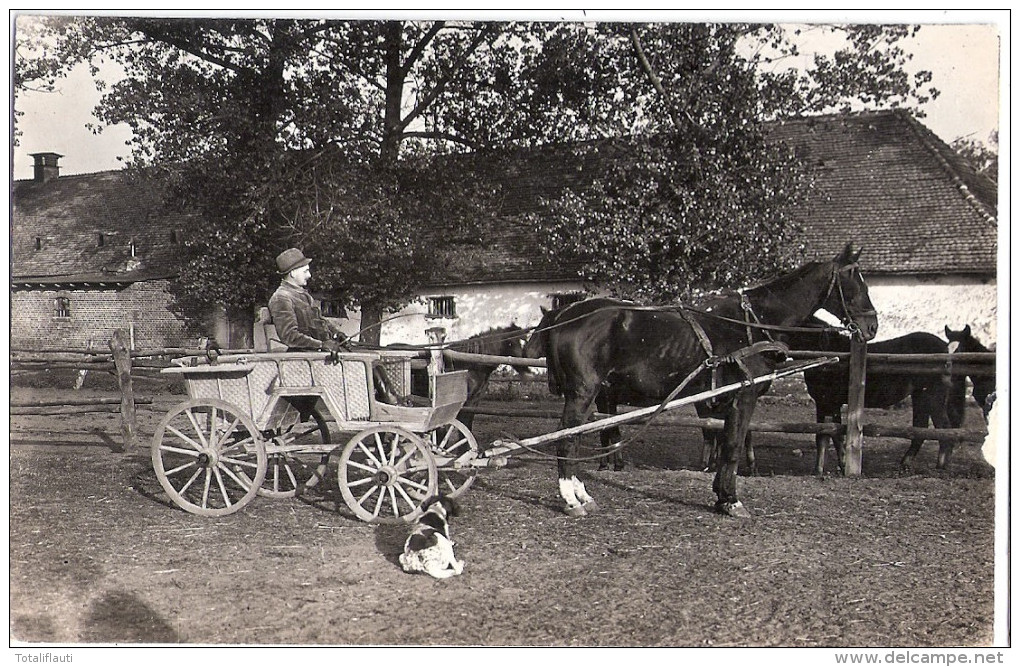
{"x": 916, "y": 304}
{"x": 479, "y": 308}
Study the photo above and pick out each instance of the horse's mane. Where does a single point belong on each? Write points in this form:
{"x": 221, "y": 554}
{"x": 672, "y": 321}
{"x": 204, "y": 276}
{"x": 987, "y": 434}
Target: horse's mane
{"x": 784, "y": 280}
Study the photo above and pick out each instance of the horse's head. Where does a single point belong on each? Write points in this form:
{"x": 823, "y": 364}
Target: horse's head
{"x": 963, "y": 340}
{"x": 514, "y": 339}
{"x": 535, "y": 347}
{"x": 501, "y": 341}
{"x": 847, "y": 296}
{"x": 984, "y": 385}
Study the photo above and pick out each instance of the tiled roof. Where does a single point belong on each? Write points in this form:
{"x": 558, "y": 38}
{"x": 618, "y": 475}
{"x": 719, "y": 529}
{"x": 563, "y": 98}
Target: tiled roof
{"x": 880, "y": 178}
{"x": 886, "y": 181}
{"x": 56, "y": 228}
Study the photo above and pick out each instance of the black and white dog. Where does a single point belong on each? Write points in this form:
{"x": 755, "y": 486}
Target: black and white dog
{"x": 429, "y": 548}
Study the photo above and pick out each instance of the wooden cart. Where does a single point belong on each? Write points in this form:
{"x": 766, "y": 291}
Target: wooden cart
{"x": 260, "y": 425}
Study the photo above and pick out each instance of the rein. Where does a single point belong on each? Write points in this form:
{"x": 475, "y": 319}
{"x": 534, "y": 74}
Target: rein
{"x": 623, "y": 443}
{"x": 712, "y": 361}
{"x": 498, "y": 336}
{"x": 708, "y": 363}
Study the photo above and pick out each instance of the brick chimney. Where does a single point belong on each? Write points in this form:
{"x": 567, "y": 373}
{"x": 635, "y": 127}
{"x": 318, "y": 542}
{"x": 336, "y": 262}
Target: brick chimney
{"x": 46, "y": 167}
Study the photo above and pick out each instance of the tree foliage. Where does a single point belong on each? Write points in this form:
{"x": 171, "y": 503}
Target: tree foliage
{"x": 325, "y": 134}
{"x": 700, "y": 198}
{"x": 982, "y": 156}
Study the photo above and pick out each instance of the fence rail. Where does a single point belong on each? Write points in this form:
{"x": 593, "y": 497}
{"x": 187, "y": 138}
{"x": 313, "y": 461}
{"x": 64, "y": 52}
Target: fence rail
{"x": 124, "y": 361}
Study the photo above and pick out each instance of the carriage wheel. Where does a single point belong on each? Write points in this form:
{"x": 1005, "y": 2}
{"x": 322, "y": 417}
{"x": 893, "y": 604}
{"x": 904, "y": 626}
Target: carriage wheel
{"x": 209, "y": 457}
{"x": 287, "y": 472}
{"x": 452, "y": 441}
{"x": 385, "y": 473}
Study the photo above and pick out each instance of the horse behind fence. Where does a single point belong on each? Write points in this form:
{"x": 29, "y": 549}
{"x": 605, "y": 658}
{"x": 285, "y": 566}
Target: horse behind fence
{"x": 505, "y": 341}
{"x": 930, "y": 392}
{"x": 983, "y": 386}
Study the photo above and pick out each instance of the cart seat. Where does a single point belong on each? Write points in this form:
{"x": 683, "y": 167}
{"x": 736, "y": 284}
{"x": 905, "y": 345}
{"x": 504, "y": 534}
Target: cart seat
{"x": 264, "y": 336}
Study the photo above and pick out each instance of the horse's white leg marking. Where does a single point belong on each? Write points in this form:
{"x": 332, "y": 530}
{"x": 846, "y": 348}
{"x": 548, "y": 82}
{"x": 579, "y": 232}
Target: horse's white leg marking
{"x": 567, "y": 492}
{"x": 579, "y": 491}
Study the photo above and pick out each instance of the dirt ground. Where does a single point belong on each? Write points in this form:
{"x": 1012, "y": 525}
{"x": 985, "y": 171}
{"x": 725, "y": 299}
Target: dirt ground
{"x": 99, "y": 555}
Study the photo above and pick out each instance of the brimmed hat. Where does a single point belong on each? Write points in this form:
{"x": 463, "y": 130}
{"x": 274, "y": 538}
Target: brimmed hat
{"x": 291, "y": 259}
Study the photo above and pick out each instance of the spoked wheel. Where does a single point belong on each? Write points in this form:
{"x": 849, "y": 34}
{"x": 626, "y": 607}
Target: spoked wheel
{"x": 289, "y": 470}
{"x": 385, "y": 473}
{"x": 452, "y": 441}
{"x": 209, "y": 457}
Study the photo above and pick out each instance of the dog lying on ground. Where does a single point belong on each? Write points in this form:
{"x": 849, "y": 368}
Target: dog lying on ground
{"x": 429, "y": 548}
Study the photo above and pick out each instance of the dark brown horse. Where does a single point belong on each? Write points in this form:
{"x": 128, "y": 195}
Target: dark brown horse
{"x": 983, "y": 386}
{"x": 640, "y": 355}
{"x": 930, "y": 393}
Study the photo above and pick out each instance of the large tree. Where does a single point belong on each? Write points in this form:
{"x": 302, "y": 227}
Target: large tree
{"x": 325, "y": 133}
{"x": 983, "y": 156}
{"x": 282, "y": 132}
{"x": 696, "y": 196}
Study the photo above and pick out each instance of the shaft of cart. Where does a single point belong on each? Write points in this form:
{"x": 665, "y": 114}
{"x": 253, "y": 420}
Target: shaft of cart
{"x": 496, "y": 455}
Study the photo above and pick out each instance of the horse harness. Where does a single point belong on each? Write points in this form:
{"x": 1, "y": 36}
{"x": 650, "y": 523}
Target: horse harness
{"x": 717, "y": 362}
{"x": 752, "y": 321}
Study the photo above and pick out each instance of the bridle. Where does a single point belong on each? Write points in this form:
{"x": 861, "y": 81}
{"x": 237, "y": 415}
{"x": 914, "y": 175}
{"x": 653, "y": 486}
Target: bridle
{"x": 849, "y": 315}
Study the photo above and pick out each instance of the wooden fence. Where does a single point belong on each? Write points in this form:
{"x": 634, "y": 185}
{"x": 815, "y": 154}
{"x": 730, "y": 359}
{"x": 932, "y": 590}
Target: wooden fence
{"x": 122, "y": 361}
{"x": 977, "y": 364}
{"x": 119, "y": 360}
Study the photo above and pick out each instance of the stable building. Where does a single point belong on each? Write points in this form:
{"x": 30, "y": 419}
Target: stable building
{"x": 95, "y": 252}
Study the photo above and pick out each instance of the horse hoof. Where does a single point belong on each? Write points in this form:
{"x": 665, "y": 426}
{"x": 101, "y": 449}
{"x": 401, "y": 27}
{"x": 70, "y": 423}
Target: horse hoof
{"x": 576, "y": 511}
{"x": 590, "y": 506}
{"x": 735, "y": 510}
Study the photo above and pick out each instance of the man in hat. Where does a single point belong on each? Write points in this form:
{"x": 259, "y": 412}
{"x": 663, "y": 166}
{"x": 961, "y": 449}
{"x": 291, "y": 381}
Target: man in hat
{"x": 298, "y": 321}
{"x": 300, "y": 324}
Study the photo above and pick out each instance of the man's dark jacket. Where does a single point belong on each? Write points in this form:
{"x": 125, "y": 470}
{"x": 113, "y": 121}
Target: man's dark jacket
{"x": 298, "y": 321}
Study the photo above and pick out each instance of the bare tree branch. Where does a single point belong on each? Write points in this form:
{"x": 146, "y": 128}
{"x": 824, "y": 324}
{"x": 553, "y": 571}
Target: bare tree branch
{"x": 420, "y": 47}
{"x": 440, "y": 135}
{"x": 444, "y": 80}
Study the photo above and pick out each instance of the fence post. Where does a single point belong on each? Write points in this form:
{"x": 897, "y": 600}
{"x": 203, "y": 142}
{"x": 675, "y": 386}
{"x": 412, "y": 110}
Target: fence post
{"x": 122, "y": 361}
{"x": 854, "y": 445}
{"x": 79, "y": 382}
{"x": 436, "y": 337}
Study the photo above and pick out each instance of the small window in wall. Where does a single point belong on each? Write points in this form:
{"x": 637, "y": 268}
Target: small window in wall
{"x": 62, "y": 307}
{"x": 38, "y": 243}
{"x": 133, "y": 248}
{"x": 332, "y": 308}
{"x": 173, "y": 236}
{"x": 442, "y": 306}
{"x": 565, "y": 299}
{"x": 101, "y": 241}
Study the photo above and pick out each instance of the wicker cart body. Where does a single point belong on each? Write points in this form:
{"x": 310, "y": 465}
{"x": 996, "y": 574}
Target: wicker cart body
{"x": 251, "y": 422}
